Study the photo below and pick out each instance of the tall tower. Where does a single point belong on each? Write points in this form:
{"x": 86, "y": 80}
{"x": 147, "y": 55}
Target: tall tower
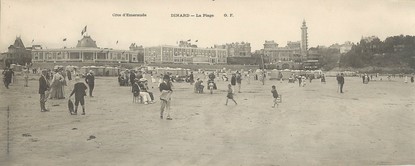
{"x": 304, "y": 39}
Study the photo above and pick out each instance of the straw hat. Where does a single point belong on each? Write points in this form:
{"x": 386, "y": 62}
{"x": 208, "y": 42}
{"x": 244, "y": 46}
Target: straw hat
{"x": 77, "y": 79}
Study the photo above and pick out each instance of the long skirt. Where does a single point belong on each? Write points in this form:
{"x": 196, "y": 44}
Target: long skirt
{"x": 57, "y": 91}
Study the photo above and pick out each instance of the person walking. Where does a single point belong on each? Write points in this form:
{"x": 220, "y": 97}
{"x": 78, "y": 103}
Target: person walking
{"x": 90, "y": 80}
{"x": 230, "y": 95}
{"x": 79, "y": 91}
{"x": 275, "y": 95}
{"x": 340, "y": 81}
{"x": 165, "y": 97}
{"x": 43, "y": 87}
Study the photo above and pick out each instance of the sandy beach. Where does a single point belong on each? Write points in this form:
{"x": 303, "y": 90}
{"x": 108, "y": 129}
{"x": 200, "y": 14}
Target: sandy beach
{"x": 369, "y": 124}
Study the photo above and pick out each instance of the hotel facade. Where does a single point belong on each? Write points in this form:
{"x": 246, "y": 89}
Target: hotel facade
{"x": 87, "y": 51}
{"x": 185, "y": 55}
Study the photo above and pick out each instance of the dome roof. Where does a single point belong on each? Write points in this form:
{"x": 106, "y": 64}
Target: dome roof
{"x": 86, "y": 41}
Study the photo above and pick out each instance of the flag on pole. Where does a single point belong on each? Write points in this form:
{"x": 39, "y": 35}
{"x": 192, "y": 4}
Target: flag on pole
{"x": 33, "y": 40}
{"x": 83, "y": 30}
{"x": 116, "y": 42}
{"x": 64, "y": 39}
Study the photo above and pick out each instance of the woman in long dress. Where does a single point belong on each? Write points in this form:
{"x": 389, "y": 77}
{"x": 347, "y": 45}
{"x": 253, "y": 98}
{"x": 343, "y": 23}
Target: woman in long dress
{"x": 57, "y": 86}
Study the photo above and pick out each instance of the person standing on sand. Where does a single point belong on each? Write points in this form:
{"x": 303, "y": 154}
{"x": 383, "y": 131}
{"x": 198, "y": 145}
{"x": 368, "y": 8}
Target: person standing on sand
{"x": 7, "y": 77}
{"x": 165, "y": 97}
{"x": 323, "y": 79}
{"x": 69, "y": 74}
{"x": 26, "y": 77}
{"x": 233, "y": 81}
{"x": 132, "y": 77}
{"x": 191, "y": 78}
{"x": 57, "y": 86}
{"x": 230, "y": 95}
{"x": 340, "y": 81}
{"x": 90, "y": 80}
{"x": 412, "y": 78}
{"x": 43, "y": 87}
{"x": 79, "y": 91}
{"x": 239, "y": 81}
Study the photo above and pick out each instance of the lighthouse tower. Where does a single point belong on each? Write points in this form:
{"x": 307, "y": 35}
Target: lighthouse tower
{"x": 304, "y": 39}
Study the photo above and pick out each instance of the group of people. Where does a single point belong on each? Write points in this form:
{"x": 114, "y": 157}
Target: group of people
{"x": 141, "y": 91}
{"x": 54, "y": 88}
{"x": 127, "y": 77}
{"x": 51, "y": 86}
{"x": 236, "y": 79}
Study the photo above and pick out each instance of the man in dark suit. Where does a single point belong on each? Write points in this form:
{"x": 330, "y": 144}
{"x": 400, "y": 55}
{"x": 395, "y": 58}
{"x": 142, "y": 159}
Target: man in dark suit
{"x": 7, "y": 77}
{"x": 132, "y": 77}
{"x": 90, "y": 80}
{"x": 43, "y": 87}
{"x": 340, "y": 81}
{"x": 191, "y": 78}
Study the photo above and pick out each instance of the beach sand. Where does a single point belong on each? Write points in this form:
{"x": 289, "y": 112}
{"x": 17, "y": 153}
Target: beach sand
{"x": 369, "y": 124}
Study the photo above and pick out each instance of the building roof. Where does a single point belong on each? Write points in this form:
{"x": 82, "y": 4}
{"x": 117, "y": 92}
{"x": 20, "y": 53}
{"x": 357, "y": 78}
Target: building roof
{"x": 87, "y": 42}
{"x": 18, "y": 43}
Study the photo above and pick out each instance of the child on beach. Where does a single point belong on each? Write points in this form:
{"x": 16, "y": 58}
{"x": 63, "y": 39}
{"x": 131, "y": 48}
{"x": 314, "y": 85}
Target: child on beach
{"x": 230, "y": 95}
{"x": 79, "y": 91}
{"x": 275, "y": 95}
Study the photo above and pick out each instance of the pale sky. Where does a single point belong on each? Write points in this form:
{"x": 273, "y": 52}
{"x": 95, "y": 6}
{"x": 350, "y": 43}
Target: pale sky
{"x": 47, "y": 22}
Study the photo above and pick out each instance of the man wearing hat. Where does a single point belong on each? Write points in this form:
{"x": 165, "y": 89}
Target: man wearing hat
{"x": 79, "y": 91}
{"x": 90, "y": 80}
{"x": 43, "y": 87}
{"x": 165, "y": 97}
